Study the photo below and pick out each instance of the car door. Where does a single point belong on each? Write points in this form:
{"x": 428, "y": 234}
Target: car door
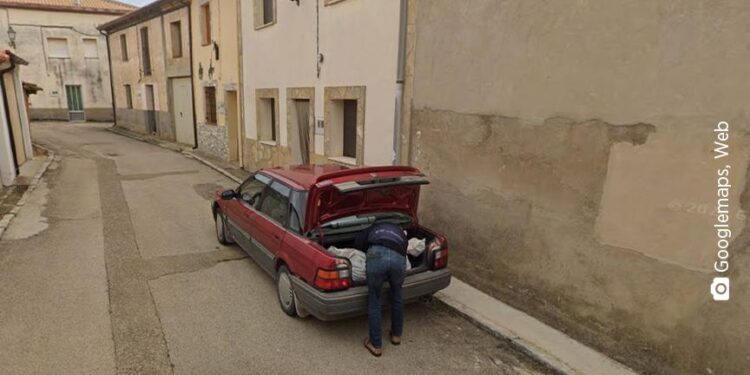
{"x": 241, "y": 211}
{"x": 269, "y": 226}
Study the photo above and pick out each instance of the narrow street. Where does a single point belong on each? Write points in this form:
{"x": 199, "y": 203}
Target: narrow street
{"x": 113, "y": 267}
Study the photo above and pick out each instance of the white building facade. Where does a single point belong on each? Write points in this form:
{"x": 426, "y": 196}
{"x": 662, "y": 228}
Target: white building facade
{"x": 319, "y": 81}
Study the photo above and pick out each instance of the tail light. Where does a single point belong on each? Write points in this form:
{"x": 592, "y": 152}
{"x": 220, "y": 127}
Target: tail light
{"x": 439, "y": 250}
{"x": 337, "y": 279}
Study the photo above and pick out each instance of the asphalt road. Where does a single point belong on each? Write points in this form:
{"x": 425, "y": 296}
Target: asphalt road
{"x": 113, "y": 267}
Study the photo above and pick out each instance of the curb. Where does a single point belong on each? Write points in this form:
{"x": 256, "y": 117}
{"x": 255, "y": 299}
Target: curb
{"x": 7, "y": 218}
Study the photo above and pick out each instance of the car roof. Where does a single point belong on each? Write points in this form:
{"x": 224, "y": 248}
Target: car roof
{"x": 305, "y": 176}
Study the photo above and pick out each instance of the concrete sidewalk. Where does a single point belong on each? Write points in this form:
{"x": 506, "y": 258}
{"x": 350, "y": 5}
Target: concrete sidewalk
{"x": 555, "y": 349}
{"x": 552, "y": 348}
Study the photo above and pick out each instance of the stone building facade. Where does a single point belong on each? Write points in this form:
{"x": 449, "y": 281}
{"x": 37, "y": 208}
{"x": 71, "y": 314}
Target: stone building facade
{"x": 67, "y": 54}
{"x": 150, "y": 55}
{"x": 570, "y": 149}
{"x": 216, "y": 77}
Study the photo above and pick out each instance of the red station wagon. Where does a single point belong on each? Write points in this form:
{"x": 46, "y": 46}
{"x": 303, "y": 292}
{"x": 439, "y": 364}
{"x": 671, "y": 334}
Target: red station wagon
{"x": 286, "y": 218}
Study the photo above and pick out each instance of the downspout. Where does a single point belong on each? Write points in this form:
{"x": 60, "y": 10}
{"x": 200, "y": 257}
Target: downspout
{"x": 398, "y": 115}
{"x": 7, "y": 114}
{"x": 111, "y": 77}
{"x": 192, "y": 66}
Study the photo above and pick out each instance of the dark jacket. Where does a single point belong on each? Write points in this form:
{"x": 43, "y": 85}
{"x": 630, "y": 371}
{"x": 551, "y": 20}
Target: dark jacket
{"x": 384, "y": 234}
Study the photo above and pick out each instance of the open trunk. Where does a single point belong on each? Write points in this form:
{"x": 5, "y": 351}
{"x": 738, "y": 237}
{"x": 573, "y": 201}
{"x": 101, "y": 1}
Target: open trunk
{"x": 418, "y": 264}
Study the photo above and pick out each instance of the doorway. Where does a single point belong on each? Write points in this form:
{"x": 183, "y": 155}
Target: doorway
{"x": 150, "y": 110}
{"x": 75, "y": 103}
{"x": 234, "y": 127}
{"x": 182, "y": 110}
{"x": 300, "y": 132}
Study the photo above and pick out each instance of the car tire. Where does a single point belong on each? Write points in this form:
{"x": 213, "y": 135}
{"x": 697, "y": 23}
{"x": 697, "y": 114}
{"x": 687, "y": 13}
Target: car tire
{"x": 284, "y": 291}
{"x": 222, "y": 234}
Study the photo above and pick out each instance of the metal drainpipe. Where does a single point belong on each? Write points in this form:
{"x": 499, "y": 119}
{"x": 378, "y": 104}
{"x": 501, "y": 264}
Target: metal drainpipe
{"x": 398, "y": 115}
{"x": 111, "y": 77}
{"x": 7, "y": 113}
{"x": 190, "y": 44}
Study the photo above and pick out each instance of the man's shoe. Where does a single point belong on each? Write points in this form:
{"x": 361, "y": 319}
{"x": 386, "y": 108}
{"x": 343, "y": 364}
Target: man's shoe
{"x": 395, "y": 340}
{"x": 373, "y": 350}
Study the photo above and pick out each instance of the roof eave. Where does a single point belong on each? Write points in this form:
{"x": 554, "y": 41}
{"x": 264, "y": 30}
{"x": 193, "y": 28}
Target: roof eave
{"x": 143, "y": 14}
{"x": 59, "y": 8}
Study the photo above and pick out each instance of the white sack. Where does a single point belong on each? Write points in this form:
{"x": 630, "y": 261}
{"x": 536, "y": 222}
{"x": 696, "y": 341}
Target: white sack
{"x": 416, "y": 246}
{"x": 357, "y": 258}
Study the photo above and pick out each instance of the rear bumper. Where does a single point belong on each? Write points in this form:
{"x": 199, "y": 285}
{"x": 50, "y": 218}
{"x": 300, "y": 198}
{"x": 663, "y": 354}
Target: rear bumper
{"x": 353, "y": 301}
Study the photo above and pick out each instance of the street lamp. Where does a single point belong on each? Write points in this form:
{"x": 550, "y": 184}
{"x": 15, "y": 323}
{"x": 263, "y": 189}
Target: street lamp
{"x": 12, "y": 36}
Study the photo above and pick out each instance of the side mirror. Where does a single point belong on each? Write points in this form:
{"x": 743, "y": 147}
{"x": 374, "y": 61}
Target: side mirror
{"x": 228, "y": 195}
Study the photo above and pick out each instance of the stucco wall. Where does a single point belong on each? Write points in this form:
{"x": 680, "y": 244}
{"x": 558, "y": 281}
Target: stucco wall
{"x": 33, "y": 27}
{"x": 570, "y": 150}
{"x": 223, "y": 74}
{"x": 359, "y": 44}
{"x": 163, "y": 67}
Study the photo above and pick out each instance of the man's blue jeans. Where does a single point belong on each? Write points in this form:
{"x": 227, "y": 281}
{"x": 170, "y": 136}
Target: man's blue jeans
{"x": 384, "y": 264}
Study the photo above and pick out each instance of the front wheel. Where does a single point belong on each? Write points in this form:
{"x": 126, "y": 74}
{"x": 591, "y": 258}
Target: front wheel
{"x": 285, "y": 292}
{"x": 222, "y": 234}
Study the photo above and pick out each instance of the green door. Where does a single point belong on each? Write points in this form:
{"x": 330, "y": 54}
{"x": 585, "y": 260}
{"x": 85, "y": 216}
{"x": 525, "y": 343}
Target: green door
{"x": 75, "y": 103}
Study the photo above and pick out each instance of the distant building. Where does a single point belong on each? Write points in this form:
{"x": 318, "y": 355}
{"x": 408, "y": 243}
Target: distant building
{"x": 66, "y": 53}
{"x": 150, "y": 56}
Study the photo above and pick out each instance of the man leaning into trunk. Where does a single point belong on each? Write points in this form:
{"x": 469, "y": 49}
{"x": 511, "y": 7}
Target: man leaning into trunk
{"x": 385, "y": 245}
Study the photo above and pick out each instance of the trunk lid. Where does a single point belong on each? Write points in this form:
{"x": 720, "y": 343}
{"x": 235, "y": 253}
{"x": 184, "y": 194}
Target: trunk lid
{"x": 364, "y": 190}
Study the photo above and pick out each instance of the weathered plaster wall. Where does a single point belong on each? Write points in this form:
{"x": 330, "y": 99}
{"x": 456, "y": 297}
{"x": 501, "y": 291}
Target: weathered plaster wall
{"x": 33, "y": 27}
{"x": 164, "y": 66}
{"x": 570, "y": 150}
{"x": 221, "y": 73}
{"x": 359, "y": 44}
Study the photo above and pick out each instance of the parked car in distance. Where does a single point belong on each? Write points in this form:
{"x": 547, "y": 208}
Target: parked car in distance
{"x": 286, "y": 218}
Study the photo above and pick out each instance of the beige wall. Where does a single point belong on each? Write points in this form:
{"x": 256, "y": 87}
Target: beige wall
{"x": 569, "y": 146}
{"x": 226, "y": 73}
{"x": 359, "y": 42}
{"x": 163, "y": 67}
{"x": 33, "y": 27}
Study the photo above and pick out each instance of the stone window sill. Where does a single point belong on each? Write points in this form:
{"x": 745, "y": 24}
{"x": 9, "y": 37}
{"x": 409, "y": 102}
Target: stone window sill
{"x": 268, "y": 143}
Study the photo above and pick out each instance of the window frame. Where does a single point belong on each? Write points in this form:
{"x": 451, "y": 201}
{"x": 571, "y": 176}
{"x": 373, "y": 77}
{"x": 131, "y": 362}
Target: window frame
{"x": 205, "y": 23}
{"x": 124, "y": 47}
{"x": 128, "y": 96}
{"x": 209, "y": 106}
{"x": 259, "y": 13}
{"x": 67, "y": 47}
{"x": 96, "y": 48}
{"x": 145, "y": 51}
{"x": 176, "y": 46}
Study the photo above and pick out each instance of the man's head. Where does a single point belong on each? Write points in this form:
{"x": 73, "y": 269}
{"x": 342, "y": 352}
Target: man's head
{"x": 4, "y": 56}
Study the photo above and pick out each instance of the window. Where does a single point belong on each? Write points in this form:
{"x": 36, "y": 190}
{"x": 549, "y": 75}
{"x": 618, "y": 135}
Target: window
{"x": 58, "y": 48}
{"x": 297, "y": 210}
{"x": 90, "y": 48}
{"x": 251, "y": 189}
{"x": 145, "y": 52}
{"x": 129, "y": 96}
{"x": 176, "y": 36}
{"x": 267, "y": 119}
{"x": 205, "y": 23}
{"x": 267, "y": 11}
{"x": 350, "y": 128}
{"x": 210, "y": 97}
{"x": 264, "y": 13}
{"x": 124, "y": 46}
{"x": 275, "y": 204}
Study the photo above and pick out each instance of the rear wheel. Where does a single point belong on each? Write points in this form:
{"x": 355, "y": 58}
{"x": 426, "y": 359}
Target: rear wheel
{"x": 285, "y": 292}
{"x": 222, "y": 234}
